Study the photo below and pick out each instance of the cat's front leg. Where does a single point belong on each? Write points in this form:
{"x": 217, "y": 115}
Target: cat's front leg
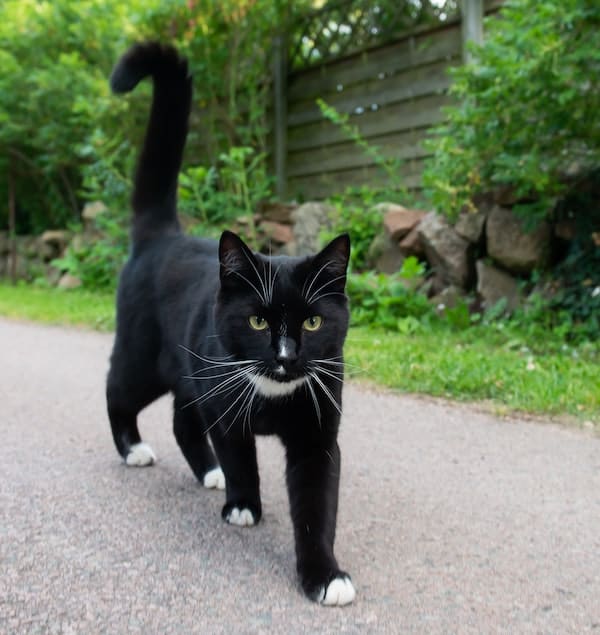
{"x": 237, "y": 457}
{"x": 313, "y": 481}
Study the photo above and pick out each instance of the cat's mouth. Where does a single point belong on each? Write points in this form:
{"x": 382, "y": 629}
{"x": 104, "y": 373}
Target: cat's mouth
{"x": 282, "y": 374}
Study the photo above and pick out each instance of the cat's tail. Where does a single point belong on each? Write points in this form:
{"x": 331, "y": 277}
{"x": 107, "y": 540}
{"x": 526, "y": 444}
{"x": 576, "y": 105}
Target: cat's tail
{"x": 154, "y": 197}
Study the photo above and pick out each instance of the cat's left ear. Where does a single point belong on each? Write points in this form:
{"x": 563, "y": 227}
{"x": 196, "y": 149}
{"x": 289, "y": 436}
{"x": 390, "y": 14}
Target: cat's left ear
{"x": 332, "y": 262}
{"x": 234, "y": 255}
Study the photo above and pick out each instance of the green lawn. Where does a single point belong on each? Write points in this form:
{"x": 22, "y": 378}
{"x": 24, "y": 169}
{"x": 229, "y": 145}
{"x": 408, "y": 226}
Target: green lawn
{"x": 494, "y": 364}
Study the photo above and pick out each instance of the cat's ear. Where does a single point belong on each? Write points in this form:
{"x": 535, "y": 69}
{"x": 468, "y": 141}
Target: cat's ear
{"x": 335, "y": 255}
{"x": 234, "y": 255}
{"x": 330, "y": 265}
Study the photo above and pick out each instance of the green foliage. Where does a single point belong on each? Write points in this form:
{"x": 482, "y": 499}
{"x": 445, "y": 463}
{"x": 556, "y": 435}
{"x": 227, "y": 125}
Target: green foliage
{"x": 390, "y": 301}
{"x": 525, "y": 113}
{"x": 55, "y": 102}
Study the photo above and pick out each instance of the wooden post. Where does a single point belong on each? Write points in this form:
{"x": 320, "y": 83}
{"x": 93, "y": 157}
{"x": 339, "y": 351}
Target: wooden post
{"x": 472, "y": 25}
{"x": 280, "y": 115}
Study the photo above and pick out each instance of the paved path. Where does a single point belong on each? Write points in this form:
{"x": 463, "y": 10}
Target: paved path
{"x": 451, "y": 521}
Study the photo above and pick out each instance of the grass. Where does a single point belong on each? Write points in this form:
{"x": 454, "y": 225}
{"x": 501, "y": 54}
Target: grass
{"x": 512, "y": 370}
{"x": 59, "y": 306}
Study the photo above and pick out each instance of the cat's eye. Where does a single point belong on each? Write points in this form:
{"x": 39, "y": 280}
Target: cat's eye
{"x": 258, "y": 323}
{"x": 313, "y": 323}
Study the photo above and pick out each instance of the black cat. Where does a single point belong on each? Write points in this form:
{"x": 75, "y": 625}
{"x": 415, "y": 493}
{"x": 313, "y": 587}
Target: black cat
{"x": 247, "y": 344}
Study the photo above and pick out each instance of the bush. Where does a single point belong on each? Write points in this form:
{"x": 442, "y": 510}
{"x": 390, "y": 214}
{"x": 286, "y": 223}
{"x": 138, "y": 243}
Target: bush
{"x": 526, "y": 109}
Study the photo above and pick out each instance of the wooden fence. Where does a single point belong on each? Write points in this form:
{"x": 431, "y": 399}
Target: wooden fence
{"x": 392, "y": 93}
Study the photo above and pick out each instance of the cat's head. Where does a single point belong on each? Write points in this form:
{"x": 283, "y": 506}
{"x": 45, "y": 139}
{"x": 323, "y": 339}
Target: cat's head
{"x": 288, "y": 314}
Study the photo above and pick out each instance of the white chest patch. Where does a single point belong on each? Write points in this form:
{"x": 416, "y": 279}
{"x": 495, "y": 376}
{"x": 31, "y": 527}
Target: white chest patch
{"x": 268, "y": 387}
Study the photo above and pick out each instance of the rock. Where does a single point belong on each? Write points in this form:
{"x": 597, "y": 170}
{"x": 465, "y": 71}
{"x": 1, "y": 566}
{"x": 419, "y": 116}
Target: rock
{"x": 494, "y": 284}
{"x": 278, "y": 232}
{"x": 276, "y": 212}
{"x": 309, "y": 220}
{"x": 52, "y": 243}
{"x": 470, "y": 226}
{"x": 67, "y": 281}
{"x": 447, "y": 252}
{"x": 411, "y": 244}
{"x": 90, "y": 213}
{"x": 448, "y": 298}
{"x": 566, "y": 229}
{"x": 511, "y": 246}
{"x": 53, "y": 275}
{"x": 46, "y": 251}
{"x": 398, "y": 223}
{"x": 58, "y": 237}
{"x": 384, "y": 254}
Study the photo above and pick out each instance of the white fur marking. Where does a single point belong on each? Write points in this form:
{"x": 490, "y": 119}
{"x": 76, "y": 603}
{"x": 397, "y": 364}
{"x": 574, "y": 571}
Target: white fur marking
{"x": 140, "y": 455}
{"x": 240, "y": 517}
{"x": 214, "y": 479}
{"x": 268, "y": 387}
{"x": 339, "y": 592}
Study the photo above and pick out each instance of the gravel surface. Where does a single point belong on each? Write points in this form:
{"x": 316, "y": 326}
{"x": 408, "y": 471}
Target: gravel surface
{"x": 451, "y": 520}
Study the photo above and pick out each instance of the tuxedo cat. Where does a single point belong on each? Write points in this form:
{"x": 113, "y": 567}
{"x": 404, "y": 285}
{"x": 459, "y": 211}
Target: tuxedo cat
{"x": 247, "y": 344}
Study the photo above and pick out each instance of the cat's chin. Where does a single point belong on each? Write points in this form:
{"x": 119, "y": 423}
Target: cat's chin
{"x": 277, "y": 385}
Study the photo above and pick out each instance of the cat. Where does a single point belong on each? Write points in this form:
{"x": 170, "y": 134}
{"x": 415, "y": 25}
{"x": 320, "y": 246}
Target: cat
{"x": 247, "y": 344}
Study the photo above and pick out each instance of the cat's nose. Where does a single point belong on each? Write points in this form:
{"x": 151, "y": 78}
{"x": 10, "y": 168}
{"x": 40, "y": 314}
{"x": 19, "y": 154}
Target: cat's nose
{"x": 286, "y": 351}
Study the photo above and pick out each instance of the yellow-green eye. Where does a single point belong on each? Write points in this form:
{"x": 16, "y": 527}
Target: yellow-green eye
{"x": 258, "y": 323}
{"x": 313, "y": 323}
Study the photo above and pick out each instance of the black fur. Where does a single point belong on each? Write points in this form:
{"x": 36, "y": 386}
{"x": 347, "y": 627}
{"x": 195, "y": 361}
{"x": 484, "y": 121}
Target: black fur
{"x": 183, "y": 310}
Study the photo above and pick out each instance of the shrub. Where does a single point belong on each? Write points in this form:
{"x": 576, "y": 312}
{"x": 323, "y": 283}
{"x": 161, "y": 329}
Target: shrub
{"x": 525, "y": 113}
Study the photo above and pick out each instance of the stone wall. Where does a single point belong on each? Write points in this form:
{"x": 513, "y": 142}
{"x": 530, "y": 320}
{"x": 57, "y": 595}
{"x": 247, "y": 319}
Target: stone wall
{"x": 487, "y": 254}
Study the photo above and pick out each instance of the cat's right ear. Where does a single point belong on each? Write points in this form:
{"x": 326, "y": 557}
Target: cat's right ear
{"x": 234, "y": 255}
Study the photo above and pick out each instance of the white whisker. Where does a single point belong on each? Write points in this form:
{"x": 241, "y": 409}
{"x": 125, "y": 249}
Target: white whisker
{"x": 315, "y": 400}
{"x": 326, "y": 284}
{"x": 331, "y": 374}
{"x": 260, "y": 279}
{"x": 313, "y": 280}
{"x": 238, "y": 378}
{"x": 244, "y": 392}
{"x": 326, "y": 391}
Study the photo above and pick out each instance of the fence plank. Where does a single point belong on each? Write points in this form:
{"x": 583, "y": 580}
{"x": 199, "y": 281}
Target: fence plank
{"x": 444, "y": 43}
{"x": 404, "y": 146}
{"x": 417, "y": 113}
{"x": 376, "y": 93}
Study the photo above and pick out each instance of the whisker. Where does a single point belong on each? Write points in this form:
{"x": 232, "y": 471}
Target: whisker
{"x": 313, "y": 280}
{"x": 326, "y": 284}
{"x": 237, "y": 380}
{"x": 242, "y": 408}
{"x": 258, "y": 293}
{"x": 197, "y": 377}
{"x": 330, "y": 374}
{"x": 242, "y": 393}
{"x": 218, "y": 361}
{"x": 324, "y": 295}
{"x": 315, "y": 400}
{"x": 326, "y": 391}
{"x": 260, "y": 280}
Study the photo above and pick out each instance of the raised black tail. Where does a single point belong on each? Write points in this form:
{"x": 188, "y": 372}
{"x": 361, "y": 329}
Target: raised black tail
{"x": 155, "y": 188}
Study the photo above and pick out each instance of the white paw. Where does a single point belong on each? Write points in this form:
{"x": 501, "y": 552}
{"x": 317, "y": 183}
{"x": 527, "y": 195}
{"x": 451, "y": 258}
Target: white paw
{"x": 339, "y": 592}
{"x": 240, "y": 517}
{"x": 214, "y": 479}
{"x": 140, "y": 455}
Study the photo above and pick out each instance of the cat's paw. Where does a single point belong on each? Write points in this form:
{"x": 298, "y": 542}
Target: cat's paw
{"x": 240, "y": 514}
{"x": 332, "y": 588}
{"x": 140, "y": 455}
{"x": 214, "y": 479}
{"x": 339, "y": 592}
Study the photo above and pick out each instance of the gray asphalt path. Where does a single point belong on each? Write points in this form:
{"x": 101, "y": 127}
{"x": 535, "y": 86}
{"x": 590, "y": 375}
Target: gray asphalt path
{"x": 451, "y": 521}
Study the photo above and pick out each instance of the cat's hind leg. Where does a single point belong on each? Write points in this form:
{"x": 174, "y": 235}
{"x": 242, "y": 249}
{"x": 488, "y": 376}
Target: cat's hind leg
{"x": 124, "y": 402}
{"x": 193, "y": 442}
